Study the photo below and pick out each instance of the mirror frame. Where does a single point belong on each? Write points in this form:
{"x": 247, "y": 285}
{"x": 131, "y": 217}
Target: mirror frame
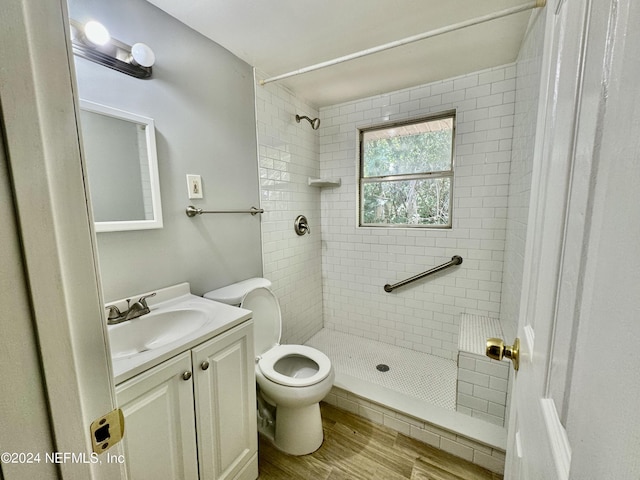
{"x": 150, "y": 135}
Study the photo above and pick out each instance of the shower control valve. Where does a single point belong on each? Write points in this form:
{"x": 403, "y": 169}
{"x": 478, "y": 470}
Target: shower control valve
{"x": 301, "y": 225}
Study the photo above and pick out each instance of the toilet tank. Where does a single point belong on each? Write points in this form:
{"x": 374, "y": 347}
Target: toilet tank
{"x": 234, "y": 293}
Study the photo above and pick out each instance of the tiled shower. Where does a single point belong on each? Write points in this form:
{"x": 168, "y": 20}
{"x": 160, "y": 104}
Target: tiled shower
{"x": 333, "y": 278}
{"x": 357, "y": 262}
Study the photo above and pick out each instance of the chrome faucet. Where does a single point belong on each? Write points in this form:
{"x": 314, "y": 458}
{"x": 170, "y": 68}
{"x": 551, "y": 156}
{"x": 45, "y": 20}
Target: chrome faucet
{"x": 136, "y": 310}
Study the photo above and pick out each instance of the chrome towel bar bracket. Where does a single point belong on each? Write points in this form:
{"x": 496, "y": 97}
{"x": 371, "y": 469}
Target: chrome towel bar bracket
{"x": 455, "y": 260}
{"x": 193, "y": 211}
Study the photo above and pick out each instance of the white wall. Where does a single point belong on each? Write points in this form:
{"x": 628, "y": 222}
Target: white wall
{"x": 529, "y": 66}
{"x": 357, "y": 262}
{"x": 288, "y": 156}
{"x": 202, "y": 101}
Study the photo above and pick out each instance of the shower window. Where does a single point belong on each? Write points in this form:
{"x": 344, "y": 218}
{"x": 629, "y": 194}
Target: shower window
{"x": 406, "y": 173}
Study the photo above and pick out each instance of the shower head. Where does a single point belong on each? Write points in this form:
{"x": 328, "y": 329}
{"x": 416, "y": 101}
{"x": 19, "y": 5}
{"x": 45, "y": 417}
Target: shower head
{"x": 315, "y": 123}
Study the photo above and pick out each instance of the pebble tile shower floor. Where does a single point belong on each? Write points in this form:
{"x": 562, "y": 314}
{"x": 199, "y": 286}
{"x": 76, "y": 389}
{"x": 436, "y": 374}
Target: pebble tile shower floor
{"x": 415, "y": 374}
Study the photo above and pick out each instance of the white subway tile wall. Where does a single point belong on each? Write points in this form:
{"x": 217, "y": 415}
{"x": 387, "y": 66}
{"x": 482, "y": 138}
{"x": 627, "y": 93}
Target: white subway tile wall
{"x": 482, "y": 387}
{"x": 529, "y": 68}
{"x": 288, "y": 155}
{"x": 357, "y": 262}
{"x": 482, "y": 382}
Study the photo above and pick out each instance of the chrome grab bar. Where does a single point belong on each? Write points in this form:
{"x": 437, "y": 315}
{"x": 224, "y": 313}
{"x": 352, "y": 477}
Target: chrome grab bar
{"x": 193, "y": 211}
{"x": 455, "y": 260}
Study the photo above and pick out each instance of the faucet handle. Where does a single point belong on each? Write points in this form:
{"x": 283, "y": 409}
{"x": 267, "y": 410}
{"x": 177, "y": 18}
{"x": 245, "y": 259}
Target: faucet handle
{"x": 114, "y": 312}
{"x": 143, "y": 299}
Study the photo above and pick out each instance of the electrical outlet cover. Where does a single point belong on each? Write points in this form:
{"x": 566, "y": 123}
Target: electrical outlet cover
{"x": 194, "y": 186}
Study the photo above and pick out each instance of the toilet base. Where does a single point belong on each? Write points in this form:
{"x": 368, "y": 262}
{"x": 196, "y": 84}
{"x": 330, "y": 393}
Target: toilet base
{"x": 298, "y": 430}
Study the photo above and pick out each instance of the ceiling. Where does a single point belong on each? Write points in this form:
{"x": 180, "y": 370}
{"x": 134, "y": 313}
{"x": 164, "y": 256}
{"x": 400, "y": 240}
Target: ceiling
{"x": 279, "y": 36}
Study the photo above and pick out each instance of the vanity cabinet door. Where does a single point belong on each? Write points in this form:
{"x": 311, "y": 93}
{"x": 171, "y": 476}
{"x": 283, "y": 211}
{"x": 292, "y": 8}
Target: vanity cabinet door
{"x": 160, "y": 434}
{"x": 225, "y": 398}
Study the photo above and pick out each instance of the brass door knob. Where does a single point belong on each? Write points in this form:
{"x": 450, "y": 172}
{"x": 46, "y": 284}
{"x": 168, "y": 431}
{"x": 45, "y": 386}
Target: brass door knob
{"x": 497, "y": 350}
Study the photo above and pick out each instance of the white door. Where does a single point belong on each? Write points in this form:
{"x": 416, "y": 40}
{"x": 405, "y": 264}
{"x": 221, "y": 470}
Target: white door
{"x": 585, "y": 44}
{"x": 537, "y": 443}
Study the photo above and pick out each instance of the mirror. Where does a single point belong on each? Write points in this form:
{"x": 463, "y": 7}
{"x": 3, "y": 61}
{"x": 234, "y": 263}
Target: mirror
{"x": 120, "y": 154}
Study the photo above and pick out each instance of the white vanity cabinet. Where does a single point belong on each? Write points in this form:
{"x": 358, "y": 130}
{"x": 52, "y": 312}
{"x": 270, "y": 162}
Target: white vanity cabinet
{"x": 194, "y": 413}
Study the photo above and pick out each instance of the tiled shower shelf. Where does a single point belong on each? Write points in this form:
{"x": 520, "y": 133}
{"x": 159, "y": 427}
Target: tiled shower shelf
{"x": 324, "y": 182}
{"x": 474, "y": 331}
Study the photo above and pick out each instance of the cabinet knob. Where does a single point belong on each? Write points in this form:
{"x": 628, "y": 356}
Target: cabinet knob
{"x": 186, "y": 375}
{"x": 204, "y": 365}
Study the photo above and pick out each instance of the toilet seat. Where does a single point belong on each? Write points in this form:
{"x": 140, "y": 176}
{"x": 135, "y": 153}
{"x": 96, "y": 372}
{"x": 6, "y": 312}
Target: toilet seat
{"x": 267, "y": 321}
{"x": 268, "y": 360}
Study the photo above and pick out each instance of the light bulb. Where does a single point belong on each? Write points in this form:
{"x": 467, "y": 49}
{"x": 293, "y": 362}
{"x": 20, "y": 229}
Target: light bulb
{"x": 143, "y": 55}
{"x": 96, "y": 33}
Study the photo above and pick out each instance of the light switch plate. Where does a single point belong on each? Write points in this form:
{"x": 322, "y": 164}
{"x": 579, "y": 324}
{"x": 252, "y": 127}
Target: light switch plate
{"x": 194, "y": 185}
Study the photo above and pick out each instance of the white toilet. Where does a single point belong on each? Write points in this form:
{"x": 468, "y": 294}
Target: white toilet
{"x": 292, "y": 379}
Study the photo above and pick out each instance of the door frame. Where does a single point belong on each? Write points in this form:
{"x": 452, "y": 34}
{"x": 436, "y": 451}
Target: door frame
{"x": 39, "y": 102}
{"x": 24, "y": 423}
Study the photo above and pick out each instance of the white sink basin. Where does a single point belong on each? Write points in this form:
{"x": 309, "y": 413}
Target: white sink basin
{"x": 178, "y": 321}
{"x": 153, "y": 330}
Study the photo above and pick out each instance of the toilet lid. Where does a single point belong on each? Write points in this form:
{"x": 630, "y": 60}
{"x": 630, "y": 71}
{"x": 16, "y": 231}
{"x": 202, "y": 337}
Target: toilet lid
{"x": 234, "y": 293}
{"x": 267, "y": 319}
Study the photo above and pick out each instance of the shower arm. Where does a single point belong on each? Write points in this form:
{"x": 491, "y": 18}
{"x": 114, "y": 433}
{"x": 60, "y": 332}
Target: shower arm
{"x": 315, "y": 122}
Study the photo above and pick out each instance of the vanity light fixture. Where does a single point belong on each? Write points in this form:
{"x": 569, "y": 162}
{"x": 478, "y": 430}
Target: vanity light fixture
{"x": 93, "y": 42}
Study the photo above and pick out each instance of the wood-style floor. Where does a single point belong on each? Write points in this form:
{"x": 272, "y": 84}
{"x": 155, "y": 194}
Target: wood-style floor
{"x": 356, "y": 449}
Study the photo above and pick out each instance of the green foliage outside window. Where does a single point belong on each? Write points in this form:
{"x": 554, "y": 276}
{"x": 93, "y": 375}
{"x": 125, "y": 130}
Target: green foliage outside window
{"x": 406, "y": 179}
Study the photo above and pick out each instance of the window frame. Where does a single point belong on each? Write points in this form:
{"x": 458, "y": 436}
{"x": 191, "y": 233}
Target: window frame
{"x": 409, "y": 176}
